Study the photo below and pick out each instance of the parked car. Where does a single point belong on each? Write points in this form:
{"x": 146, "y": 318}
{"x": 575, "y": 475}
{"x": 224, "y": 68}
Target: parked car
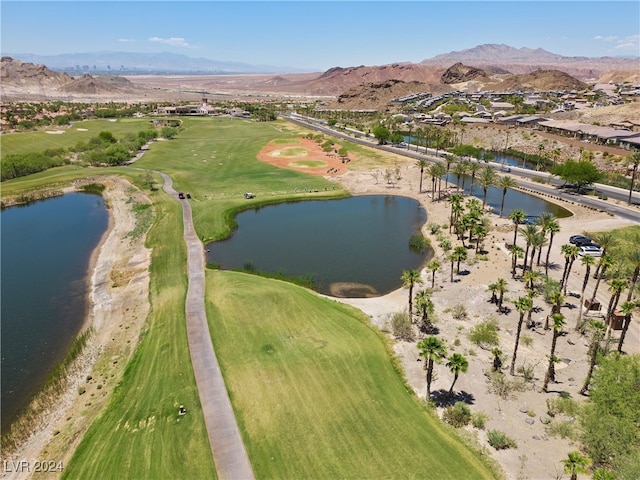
{"x": 580, "y": 240}
{"x": 505, "y": 169}
{"x": 249, "y": 195}
{"x": 181, "y": 195}
{"x": 591, "y": 250}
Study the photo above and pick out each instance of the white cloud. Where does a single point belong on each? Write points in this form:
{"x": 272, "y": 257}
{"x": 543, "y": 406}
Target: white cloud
{"x": 126, "y": 40}
{"x": 631, "y": 42}
{"x": 173, "y": 41}
{"x": 606, "y": 38}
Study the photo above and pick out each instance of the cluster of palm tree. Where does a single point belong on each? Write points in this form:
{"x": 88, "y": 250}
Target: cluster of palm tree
{"x": 621, "y": 275}
{"x": 434, "y": 351}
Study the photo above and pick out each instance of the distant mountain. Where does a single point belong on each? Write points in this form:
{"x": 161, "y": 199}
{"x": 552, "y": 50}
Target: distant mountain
{"x": 121, "y": 63}
{"x": 527, "y": 60}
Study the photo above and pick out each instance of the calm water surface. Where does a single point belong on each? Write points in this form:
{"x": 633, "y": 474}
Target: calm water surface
{"x": 46, "y": 248}
{"x": 353, "y": 247}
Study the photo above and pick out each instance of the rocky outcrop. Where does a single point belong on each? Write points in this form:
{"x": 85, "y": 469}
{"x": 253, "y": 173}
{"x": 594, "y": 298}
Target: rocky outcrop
{"x": 459, "y": 73}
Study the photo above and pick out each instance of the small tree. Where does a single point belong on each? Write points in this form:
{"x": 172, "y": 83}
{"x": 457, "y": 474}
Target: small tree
{"x": 558, "y": 325}
{"x": 457, "y": 364}
{"x": 576, "y": 463}
{"x": 433, "y": 350}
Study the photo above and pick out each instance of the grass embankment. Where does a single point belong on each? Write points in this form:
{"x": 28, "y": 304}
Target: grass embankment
{"x": 316, "y": 393}
{"x": 141, "y": 435}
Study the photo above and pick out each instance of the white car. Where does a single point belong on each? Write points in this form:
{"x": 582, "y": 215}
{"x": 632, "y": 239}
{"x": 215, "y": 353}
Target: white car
{"x": 591, "y": 250}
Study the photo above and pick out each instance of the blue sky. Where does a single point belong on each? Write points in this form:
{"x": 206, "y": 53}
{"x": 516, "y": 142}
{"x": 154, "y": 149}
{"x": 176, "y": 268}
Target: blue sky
{"x": 318, "y": 35}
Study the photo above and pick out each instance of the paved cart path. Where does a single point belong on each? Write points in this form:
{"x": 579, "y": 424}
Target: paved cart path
{"x": 229, "y": 453}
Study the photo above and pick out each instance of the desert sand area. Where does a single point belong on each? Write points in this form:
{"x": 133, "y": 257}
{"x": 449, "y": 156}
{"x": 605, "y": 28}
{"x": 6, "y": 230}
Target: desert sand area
{"x": 120, "y": 280}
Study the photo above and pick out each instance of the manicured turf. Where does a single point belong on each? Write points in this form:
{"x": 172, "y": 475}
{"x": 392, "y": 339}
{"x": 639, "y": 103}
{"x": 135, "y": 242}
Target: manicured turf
{"x": 141, "y": 435}
{"x": 217, "y": 157}
{"x": 308, "y": 163}
{"x": 316, "y": 393}
{"x": 293, "y": 152}
{"x": 40, "y": 140}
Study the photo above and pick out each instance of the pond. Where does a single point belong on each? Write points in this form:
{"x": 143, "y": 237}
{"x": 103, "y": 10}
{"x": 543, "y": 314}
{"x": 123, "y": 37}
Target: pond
{"x": 46, "y": 249}
{"x": 533, "y": 206}
{"x": 354, "y": 247}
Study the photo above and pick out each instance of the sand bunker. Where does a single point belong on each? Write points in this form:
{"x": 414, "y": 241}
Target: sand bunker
{"x": 55, "y": 132}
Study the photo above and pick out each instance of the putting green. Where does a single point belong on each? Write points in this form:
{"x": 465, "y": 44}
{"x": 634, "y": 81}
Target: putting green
{"x": 290, "y": 152}
{"x": 308, "y": 164}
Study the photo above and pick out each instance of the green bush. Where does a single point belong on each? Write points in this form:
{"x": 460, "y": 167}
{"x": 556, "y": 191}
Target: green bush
{"x": 419, "y": 243}
{"x": 459, "y": 312}
{"x": 457, "y": 415}
{"x": 479, "y": 419}
{"x": 499, "y": 440}
{"x": 401, "y": 326}
{"x": 485, "y": 334}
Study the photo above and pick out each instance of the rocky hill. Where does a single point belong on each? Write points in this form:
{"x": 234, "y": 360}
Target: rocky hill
{"x": 526, "y": 60}
{"x": 459, "y": 73}
{"x": 540, "y": 80}
{"x": 28, "y": 81}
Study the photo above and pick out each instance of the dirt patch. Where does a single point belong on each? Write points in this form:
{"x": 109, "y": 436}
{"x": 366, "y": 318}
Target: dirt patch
{"x": 305, "y": 155}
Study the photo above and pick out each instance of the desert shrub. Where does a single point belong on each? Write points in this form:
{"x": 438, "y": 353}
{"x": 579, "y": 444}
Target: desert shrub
{"x": 526, "y": 340}
{"x": 434, "y": 228}
{"x": 479, "y": 419}
{"x": 560, "y": 405}
{"x": 457, "y": 415}
{"x": 401, "y": 326}
{"x": 459, "y": 312}
{"x": 485, "y": 334}
{"x": 503, "y": 386}
{"x": 565, "y": 429}
{"x": 526, "y": 371}
{"x": 499, "y": 440}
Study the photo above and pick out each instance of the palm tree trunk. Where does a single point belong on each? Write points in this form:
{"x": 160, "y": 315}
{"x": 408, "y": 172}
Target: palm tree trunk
{"x": 625, "y": 327}
{"x": 455, "y": 379}
{"x": 429, "y": 377}
{"x": 504, "y": 194}
{"x": 595, "y": 347}
{"x": 550, "y": 375}
{"x": 515, "y": 233}
{"x": 546, "y": 262}
{"x": 515, "y": 348}
{"x": 598, "y": 277}
{"x": 584, "y": 286}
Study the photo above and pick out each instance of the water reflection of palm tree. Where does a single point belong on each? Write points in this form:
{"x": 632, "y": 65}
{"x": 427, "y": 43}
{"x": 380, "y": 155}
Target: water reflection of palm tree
{"x": 505, "y": 183}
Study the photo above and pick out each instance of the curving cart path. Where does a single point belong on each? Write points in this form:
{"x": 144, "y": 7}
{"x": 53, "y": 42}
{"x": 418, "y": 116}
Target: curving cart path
{"x": 229, "y": 454}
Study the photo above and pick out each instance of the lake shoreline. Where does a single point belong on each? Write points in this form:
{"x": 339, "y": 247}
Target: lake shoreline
{"x": 117, "y": 307}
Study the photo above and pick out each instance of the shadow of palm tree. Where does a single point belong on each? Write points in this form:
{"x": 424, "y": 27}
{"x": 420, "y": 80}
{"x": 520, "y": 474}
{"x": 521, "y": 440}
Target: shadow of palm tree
{"x": 442, "y": 398}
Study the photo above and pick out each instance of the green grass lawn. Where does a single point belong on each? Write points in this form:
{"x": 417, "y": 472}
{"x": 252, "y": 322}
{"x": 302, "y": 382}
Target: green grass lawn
{"x": 315, "y": 390}
{"x": 218, "y": 158}
{"x": 140, "y": 435}
{"x": 39, "y": 141}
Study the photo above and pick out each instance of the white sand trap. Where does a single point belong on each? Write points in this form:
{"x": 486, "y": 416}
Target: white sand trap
{"x": 82, "y": 129}
{"x": 55, "y": 132}
{"x": 113, "y": 119}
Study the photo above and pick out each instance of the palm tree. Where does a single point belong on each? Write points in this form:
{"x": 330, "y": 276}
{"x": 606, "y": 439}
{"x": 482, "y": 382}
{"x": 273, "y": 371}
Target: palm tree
{"x": 598, "y": 328}
{"x": 434, "y": 171}
{"x": 553, "y": 228}
{"x": 545, "y": 220}
{"x": 433, "y": 350}
{"x": 424, "y": 307}
{"x": 505, "y": 183}
{"x": 576, "y": 463}
{"x": 473, "y": 170}
{"x": 606, "y": 240}
{"x": 570, "y": 254}
{"x": 480, "y": 231}
{"x": 517, "y": 216}
{"x": 501, "y": 285}
{"x": 456, "y": 208}
{"x": 632, "y": 258}
{"x": 423, "y": 162}
{"x": 442, "y": 171}
{"x": 588, "y": 261}
{"x": 522, "y": 304}
{"x": 558, "y": 324}
{"x": 493, "y": 288}
{"x": 434, "y": 266}
{"x": 516, "y": 252}
{"x": 616, "y": 287}
{"x": 539, "y": 241}
{"x": 529, "y": 232}
{"x": 626, "y": 308}
{"x": 605, "y": 263}
{"x": 557, "y": 300}
{"x": 452, "y": 258}
{"x": 555, "y": 155}
{"x": 487, "y": 179}
{"x": 461, "y": 254}
{"x": 457, "y": 364}
{"x": 459, "y": 170}
{"x": 409, "y": 279}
